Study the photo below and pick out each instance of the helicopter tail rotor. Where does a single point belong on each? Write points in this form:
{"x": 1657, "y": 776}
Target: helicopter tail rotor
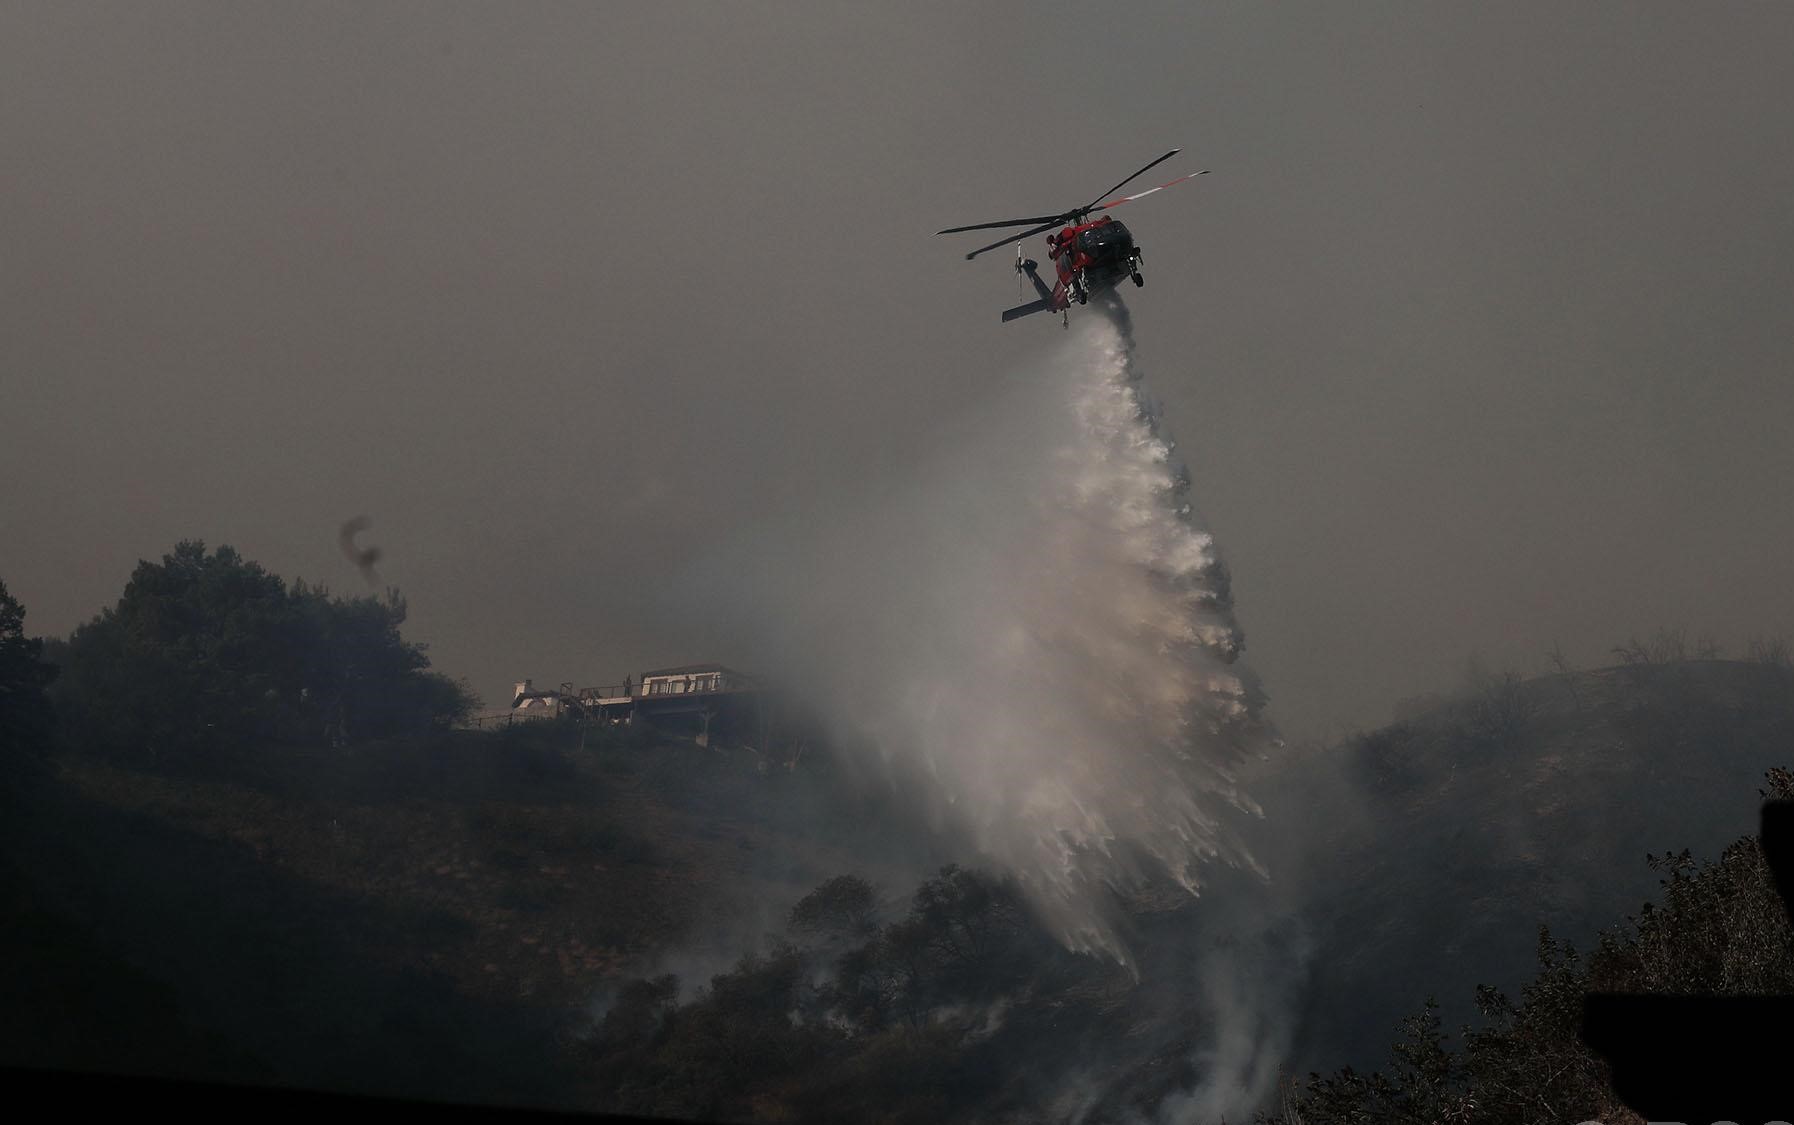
{"x": 1028, "y": 267}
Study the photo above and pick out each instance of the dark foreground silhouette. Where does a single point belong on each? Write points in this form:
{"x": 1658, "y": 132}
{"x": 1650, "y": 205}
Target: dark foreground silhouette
{"x": 1703, "y": 1058}
{"x": 70, "y": 1090}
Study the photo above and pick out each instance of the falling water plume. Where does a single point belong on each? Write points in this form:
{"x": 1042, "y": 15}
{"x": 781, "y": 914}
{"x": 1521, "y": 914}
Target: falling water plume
{"x": 1037, "y": 632}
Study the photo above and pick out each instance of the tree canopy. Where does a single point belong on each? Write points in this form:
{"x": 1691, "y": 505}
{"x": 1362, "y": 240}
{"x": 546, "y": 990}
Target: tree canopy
{"x": 208, "y": 652}
{"x": 27, "y": 723}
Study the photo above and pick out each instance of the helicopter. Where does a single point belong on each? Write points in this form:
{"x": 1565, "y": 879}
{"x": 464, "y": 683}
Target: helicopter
{"x": 1090, "y": 257}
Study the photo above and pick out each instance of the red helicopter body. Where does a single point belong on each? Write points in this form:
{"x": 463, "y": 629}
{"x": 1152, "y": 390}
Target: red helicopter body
{"x": 1089, "y": 257}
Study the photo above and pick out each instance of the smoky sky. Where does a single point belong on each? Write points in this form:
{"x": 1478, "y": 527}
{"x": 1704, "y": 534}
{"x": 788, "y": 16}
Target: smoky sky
{"x": 1476, "y": 341}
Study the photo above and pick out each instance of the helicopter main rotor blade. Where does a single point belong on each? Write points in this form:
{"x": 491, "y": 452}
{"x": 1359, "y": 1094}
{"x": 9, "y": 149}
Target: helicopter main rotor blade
{"x": 1131, "y": 179}
{"x": 1047, "y": 222}
{"x": 1147, "y": 192}
{"x": 1005, "y": 223}
{"x": 1044, "y": 227}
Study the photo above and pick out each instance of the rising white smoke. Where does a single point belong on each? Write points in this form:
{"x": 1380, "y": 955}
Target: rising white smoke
{"x": 1035, "y": 628}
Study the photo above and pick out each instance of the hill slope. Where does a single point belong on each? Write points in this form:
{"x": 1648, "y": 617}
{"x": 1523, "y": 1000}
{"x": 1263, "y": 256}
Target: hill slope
{"x": 436, "y": 918}
{"x": 426, "y": 919}
{"x": 1449, "y": 837}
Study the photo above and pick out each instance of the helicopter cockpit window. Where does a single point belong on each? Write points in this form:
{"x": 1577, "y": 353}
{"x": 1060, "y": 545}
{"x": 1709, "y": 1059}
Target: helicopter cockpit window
{"x": 1103, "y": 237}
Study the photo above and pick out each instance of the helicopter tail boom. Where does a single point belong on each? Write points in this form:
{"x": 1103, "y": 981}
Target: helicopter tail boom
{"x": 1045, "y": 304}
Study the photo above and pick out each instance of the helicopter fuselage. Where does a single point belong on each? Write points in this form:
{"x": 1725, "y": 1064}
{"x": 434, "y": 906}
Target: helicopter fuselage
{"x": 1091, "y": 257}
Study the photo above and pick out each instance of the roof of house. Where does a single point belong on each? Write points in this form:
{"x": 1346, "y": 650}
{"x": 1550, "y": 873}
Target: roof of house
{"x": 692, "y": 670}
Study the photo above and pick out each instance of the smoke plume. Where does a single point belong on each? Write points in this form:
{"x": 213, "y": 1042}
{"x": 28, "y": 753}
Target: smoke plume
{"x": 1034, "y": 632}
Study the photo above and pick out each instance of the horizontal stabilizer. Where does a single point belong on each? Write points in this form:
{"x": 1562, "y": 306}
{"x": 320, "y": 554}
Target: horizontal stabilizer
{"x": 1026, "y": 310}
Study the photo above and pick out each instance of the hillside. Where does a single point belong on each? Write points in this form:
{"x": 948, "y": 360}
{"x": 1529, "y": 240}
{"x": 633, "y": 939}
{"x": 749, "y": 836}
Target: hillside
{"x": 1416, "y": 860}
{"x": 1449, "y": 837}
{"x": 446, "y": 917}
{"x": 420, "y": 918}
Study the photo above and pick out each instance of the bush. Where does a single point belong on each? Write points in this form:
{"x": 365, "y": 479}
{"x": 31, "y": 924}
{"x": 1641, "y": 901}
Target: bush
{"x": 859, "y": 1023}
{"x": 843, "y": 909}
{"x": 1500, "y": 714}
{"x": 1391, "y": 759}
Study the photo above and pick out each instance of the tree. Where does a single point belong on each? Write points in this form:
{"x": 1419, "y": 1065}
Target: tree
{"x": 844, "y": 909}
{"x": 364, "y": 680}
{"x": 209, "y": 652}
{"x": 27, "y": 722}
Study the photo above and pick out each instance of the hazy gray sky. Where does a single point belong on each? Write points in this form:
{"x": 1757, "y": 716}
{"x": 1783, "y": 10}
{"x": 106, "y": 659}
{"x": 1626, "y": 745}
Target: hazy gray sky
{"x": 1476, "y": 341}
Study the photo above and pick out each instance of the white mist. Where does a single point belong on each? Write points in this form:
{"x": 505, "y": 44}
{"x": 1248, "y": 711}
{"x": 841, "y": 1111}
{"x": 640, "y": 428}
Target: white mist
{"x": 1035, "y": 629}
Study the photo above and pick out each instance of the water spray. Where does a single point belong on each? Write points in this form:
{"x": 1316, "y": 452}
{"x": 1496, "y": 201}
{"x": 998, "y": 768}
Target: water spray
{"x": 1037, "y": 634}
